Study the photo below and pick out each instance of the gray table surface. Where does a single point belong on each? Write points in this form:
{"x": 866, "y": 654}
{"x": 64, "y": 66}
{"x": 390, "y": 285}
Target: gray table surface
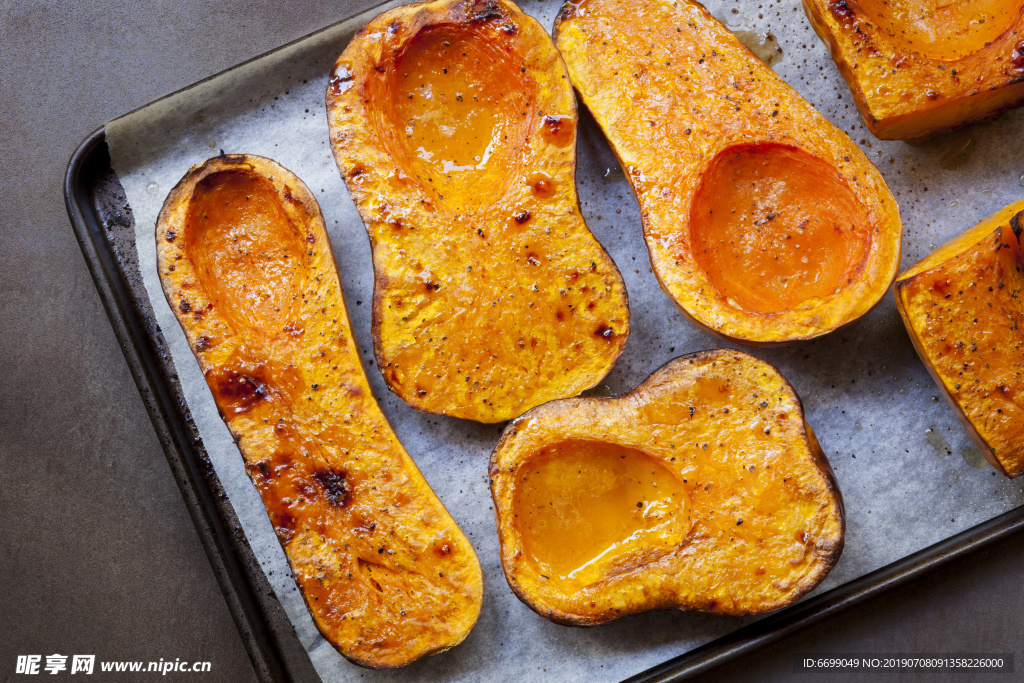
{"x": 98, "y": 554}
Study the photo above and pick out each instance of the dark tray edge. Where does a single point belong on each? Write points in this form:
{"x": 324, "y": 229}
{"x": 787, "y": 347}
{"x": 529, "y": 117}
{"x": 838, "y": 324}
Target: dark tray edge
{"x": 270, "y": 644}
{"x": 221, "y": 548}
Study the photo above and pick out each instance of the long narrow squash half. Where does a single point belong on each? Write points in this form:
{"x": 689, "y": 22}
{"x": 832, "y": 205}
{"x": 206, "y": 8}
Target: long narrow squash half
{"x": 765, "y": 223}
{"x": 703, "y": 489}
{"x": 454, "y": 125}
{"x": 246, "y": 264}
{"x": 963, "y": 306}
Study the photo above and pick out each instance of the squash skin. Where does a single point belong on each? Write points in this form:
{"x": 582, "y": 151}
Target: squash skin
{"x": 358, "y": 523}
{"x": 710, "y": 571}
{"x": 962, "y": 307}
{"x": 705, "y": 95}
{"x": 903, "y": 94}
{"x": 489, "y": 298}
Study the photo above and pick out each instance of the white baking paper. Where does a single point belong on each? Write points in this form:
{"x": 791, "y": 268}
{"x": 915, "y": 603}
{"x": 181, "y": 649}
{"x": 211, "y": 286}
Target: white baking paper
{"x": 909, "y": 473}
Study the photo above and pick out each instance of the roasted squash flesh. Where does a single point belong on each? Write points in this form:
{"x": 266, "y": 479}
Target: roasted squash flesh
{"x": 917, "y": 67}
{"x": 765, "y": 223}
{"x": 964, "y": 309}
{"x": 246, "y": 264}
{"x": 702, "y": 489}
{"x": 773, "y": 226}
{"x": 454, "y": 127}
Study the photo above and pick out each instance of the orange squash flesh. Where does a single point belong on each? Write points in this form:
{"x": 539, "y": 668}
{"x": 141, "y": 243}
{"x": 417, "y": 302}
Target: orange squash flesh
{"x": 246, "y": 264}
{"x": 702, "y": 489}
{"x": 765, "y": 223}
{"x": 963, "y": 306}
{"x": 918, "y": 67}
{"x": 454, "y": 127}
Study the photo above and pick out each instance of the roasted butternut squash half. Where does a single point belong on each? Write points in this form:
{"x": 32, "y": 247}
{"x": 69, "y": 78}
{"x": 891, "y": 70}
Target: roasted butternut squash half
{"x": 246, "y": 264}
{"x": 917, "y": 67}
{"x": 702, "y": 489}
{"x": 454, "y": 126}
{"x": 765, "y": 223}
{"x": 963, "y": 306}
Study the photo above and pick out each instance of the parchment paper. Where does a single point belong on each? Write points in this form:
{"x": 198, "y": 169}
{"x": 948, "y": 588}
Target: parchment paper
{"x": 909, "y": 473}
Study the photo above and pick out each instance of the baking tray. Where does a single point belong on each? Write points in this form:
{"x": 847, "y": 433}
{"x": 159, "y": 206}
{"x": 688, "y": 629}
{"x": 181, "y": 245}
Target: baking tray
{"x": 104, "y": 226}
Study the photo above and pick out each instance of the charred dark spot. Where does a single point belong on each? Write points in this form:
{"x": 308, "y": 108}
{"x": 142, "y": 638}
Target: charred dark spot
{"x": 532, "y": 259}
{"x": 1017, "y": 224}
{"x": 522, "y": 217}
{"x": 202, "y": 342}
{"x": 284, "y": 526}
{"x": 260, "y": 472}
{"x": 394, "y": 27}
{"x": 356, "y": 173}
{"x": 842, "y": 11}
{"x": 311, "y": 238}
{"x": 332, "y": 481}
{"x": 604, "y": 332}
{"x": 379, "y": 69}
{"x": 510, "y": 29}
{"x": 184, "y": 305}
{"x": 171, "y": 235}
{"x": 1017, "y": 57}
{"x": 236, "y": 392}
{"x": 485, "y": 11}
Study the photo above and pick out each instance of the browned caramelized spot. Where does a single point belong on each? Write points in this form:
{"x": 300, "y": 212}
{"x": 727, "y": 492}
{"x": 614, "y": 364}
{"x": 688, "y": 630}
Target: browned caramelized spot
{"x": 235, "y": 391}
{"x": 341, "y": 80}
{"x": 541, "y": 184}
{"x": 604, "y": 332}
{"x": 334, "y": 485}
{"x": 559, "y": 130}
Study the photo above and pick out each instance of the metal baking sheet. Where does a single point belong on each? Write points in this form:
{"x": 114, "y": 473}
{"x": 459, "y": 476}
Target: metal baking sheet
{"x": 909, "y": 474}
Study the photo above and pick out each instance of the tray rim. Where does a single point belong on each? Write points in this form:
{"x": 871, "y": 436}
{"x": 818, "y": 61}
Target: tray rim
{"x": 222, "y": 550}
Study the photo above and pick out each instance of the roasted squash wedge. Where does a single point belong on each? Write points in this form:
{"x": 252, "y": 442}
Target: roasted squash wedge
{"x": 702, "y": 489}
{"x": 246, "y": 264}
{"x": 454, "y": 126}
{"x": 765, "y": 223}
{"x": 963, "y": 306}
{"x": 917, "y": 67}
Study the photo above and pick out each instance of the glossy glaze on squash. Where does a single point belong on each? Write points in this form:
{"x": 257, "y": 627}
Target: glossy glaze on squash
{"x": 765, "y": 223}
{"x": 246, "y": 264}
{"x": 454, "y": 125}
{"x": 963, "y": 306}
{"x": 917, "y": 67}
{"x": 703, "y": 489}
